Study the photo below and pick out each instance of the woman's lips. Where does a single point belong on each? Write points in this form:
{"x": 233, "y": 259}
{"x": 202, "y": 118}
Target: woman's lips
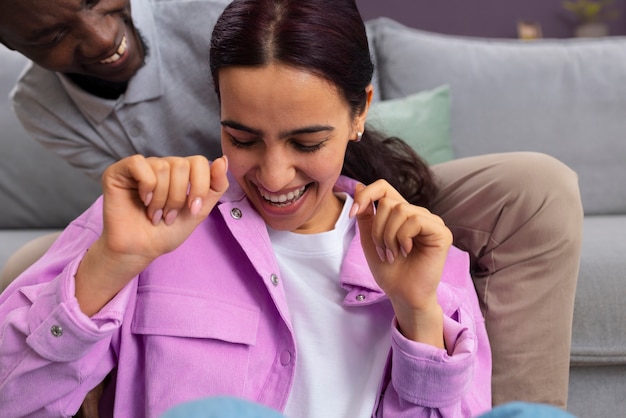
{"x": 283, "y": 199}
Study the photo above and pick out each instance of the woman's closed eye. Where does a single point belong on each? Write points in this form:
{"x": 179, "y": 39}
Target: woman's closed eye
{"x": 237, "y": 143}
{"x": 305, "y": 147}
{"x": 300, "y": 146}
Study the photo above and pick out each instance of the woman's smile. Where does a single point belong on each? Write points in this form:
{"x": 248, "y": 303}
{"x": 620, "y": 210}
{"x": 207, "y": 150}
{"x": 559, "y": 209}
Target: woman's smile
{"x": 283, "y": 206}
{"x": 283, "y": 199}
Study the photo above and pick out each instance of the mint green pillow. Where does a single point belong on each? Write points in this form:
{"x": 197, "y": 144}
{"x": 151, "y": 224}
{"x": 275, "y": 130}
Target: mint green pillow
{"x": 422, "y": 120}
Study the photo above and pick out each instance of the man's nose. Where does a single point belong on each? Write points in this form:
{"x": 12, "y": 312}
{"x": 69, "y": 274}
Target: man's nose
{"x": 98, "y": 37}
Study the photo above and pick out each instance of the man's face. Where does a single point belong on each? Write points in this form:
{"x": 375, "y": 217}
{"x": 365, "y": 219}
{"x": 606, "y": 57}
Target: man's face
{"x": 91, "y": 37}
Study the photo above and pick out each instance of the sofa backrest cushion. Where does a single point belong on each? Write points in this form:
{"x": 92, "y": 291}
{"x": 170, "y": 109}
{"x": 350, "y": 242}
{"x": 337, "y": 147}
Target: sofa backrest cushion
{"x": 564, "y": 97}
{"x": 37, "y": 188}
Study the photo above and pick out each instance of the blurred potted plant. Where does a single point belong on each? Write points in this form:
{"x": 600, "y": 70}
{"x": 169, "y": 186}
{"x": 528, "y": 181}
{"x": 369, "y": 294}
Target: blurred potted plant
{"x": 591, "y": 16}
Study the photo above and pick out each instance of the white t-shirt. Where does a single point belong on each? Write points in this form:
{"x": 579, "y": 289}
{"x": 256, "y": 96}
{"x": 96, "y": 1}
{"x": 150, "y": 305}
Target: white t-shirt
{"x": 341, "y": 351}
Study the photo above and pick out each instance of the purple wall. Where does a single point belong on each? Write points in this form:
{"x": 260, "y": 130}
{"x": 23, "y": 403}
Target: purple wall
{"x": 490, "y": 18}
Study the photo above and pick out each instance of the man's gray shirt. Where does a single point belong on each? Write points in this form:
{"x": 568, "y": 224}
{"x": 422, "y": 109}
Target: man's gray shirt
{"x": 169, "y": 107}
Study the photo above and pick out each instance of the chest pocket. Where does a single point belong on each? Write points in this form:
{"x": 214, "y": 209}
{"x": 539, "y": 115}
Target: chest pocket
{"x": 174, "y": 312}
{"x": 205, "y": 341}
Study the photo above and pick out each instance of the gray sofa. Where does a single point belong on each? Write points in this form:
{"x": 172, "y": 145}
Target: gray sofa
{"x": 566, "y": 98}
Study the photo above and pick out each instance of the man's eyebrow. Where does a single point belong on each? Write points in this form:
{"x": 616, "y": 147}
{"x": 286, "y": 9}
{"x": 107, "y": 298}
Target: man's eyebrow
{"x": 285, "y": 134}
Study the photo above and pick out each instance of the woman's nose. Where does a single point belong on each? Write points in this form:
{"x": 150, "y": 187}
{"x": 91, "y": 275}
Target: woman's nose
{"x": 275, "y": 171}
{"x": 99, "y": 35}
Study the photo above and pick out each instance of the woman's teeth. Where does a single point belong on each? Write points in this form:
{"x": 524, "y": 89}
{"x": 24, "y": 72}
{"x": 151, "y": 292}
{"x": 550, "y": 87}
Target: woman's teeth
{"x": 283, "y": 199}
{"x": 118, "y": 54}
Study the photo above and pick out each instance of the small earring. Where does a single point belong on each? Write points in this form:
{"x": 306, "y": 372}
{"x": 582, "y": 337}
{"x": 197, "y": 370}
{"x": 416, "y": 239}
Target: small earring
{"x": 359, "y": 136}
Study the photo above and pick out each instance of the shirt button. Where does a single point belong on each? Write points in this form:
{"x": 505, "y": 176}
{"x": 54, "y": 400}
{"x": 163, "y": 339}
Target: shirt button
{"x": 56, "y": 330}
{"x": 285, "y": 358}
{"x": 236, "y": 213}
{"x": 135, "y": 130}
{"x": 360, "y": 298}
{"x": 274, "y": 279}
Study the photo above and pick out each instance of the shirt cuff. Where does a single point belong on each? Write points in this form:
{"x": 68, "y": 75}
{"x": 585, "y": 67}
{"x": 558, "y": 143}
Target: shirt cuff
{"x": 59, "y": 330}
{"x": 433, "y": 377}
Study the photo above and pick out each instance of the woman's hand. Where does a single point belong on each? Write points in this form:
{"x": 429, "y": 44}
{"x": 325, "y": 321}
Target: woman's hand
{"x": 151, "y": 205}
{"x": 406, "y": 248}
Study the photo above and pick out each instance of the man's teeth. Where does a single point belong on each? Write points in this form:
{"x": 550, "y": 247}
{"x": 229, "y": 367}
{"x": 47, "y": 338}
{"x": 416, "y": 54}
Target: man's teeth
{"x": 283, "y": 198}
{"x": 118, "y": 54}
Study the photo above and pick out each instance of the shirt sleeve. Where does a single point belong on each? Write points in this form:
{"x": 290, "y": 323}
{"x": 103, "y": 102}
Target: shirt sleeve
{"x": 43, "y": 333}
{"x": 58, "y": 329}
{"x": 426, "y": 381}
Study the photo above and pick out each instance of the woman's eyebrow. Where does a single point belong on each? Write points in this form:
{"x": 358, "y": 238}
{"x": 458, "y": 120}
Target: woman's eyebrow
{"x": 241, "y": 127}
{"x": 307, "y": 130}
{"x": 285, "y": 134}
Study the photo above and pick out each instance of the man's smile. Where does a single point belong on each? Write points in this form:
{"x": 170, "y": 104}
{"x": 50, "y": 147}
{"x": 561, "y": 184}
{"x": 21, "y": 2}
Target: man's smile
{"x": 121, "y": 50}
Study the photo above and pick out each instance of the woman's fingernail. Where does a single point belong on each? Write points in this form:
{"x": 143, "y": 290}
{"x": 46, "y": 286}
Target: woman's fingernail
{"x": 354, "y": 210}
{"x": 148, "y": 199}
{"x": 156, "y": 218}
{"x": 171, "y": 217}
{"x": 404, "y": 253}
{"x": 196, "y": 205}
{"x": 390, "y": 256}
{"x": 381, "y": 254}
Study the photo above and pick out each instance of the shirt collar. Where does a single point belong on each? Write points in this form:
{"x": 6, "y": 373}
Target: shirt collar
{"x": 356, "y": 276}
{"x": 146, "y": 84}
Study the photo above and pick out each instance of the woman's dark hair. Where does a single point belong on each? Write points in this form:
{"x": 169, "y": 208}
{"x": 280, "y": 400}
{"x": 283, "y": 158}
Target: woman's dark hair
{"x": 328, "y": 39}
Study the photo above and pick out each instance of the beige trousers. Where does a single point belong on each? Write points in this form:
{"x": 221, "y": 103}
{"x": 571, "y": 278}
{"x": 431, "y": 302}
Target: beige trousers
{"x": 519, "y": 216}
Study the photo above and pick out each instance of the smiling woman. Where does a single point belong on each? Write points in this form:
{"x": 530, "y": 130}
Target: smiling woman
{"x": 279, "y": 147}
{"x": 287, "y": 281}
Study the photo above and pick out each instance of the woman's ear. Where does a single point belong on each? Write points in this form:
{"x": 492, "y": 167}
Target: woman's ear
{"x": 360, "y": 119}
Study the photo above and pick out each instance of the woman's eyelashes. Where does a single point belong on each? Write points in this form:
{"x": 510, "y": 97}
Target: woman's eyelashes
{"x": 298, "y": 145}
{"x": 239, "y": 144}
{"x": 310, "y": 147}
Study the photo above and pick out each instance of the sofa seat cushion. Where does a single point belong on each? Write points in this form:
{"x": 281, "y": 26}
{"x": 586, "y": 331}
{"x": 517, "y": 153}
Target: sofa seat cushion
{"x": 13, "y": 239}
{"x": 599, "y": 334}
{"x": 597, "y": 391}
